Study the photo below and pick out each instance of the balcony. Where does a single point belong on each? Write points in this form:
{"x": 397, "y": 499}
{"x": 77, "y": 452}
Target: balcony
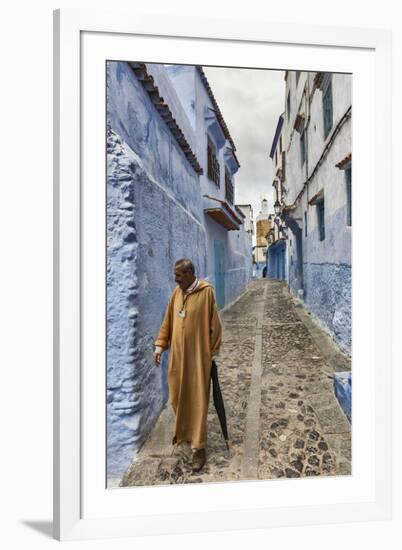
{"x": 222, "y": 213}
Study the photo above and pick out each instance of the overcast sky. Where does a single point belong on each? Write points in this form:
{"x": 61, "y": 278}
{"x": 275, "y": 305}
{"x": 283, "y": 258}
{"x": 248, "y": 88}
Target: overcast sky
{"x": 250, "y": 101}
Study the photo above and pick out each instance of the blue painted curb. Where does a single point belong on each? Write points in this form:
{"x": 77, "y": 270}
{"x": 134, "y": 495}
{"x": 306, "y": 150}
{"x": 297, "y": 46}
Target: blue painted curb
{"x": 343, "y": 392}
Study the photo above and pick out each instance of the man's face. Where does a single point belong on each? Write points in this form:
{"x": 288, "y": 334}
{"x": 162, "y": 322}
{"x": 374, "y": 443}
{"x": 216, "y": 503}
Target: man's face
{"x": 183, "y": 278}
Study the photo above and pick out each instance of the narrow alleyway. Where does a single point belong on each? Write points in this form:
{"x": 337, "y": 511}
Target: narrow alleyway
{"x": 275, "y": 373}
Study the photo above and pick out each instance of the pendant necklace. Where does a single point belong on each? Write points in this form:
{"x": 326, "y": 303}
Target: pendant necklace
{"x": 182, "y": 312}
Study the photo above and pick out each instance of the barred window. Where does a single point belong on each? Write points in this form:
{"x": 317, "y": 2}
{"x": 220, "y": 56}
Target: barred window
{"x": 283, "y": 166}
{"x": 229, "y": 195}
{"x": 302, "y": 147}
{"x": 213, "y": 163}
{"x": 321, "y": 221}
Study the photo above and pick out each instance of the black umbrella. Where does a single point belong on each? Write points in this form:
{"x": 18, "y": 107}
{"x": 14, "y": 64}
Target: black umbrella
{"x": 218, "y": 402}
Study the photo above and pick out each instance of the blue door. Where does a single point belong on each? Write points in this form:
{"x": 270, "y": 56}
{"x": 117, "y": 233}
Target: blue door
{"x": 282, "y": 264}
{"x": 219, "y": 273}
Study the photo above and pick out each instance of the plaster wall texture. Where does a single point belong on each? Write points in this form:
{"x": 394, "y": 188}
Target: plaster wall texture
{"x": 207, "y": 124}
{"x": 336, "y": 247}
{"x": 154, "y": 218}
{"x": 183, "y": 80}
{"x": 325, "y": 268}
{"x": 237, "y": 258}
{"x": 135, "y": 120}
{"x": 183, "y": 111}
{"x": 328, "y": 296}
{"x": 237, "y": 244}
{"x": 296, "y": 174}
{"x": 341, "y": 101}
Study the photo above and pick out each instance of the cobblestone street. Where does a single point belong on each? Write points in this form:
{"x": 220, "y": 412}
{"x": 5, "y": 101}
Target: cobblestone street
{"x": 275, "y": 372}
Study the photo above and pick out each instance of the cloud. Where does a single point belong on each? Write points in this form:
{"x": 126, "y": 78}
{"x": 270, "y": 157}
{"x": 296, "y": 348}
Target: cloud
{"x": 251, "y": 101}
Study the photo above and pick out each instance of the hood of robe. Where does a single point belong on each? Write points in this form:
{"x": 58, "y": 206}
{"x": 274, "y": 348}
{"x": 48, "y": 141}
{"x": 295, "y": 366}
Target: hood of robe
{"x": 201, "y": 285}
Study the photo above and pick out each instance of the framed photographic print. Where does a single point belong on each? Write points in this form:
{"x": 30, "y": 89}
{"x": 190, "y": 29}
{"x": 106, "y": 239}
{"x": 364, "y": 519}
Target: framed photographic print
{"x": 219, "y": 275}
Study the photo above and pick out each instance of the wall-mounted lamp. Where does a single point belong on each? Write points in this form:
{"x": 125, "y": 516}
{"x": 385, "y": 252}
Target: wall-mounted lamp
{"x": 277, "y": 207}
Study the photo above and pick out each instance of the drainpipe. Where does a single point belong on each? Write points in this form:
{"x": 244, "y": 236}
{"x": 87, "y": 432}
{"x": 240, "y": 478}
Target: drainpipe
{"x": 307, "y": 100}
{"x": 307, "y": 153}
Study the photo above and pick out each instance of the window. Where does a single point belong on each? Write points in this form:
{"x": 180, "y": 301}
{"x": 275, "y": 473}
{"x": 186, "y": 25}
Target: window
{"x": 283, "y": 166}
{"x": 302, "y": 147}
{"x": 288, "y": 105}
{"x": 321, "y": 224}
{"x": 327, "y": 108}
{"x": 228, "y": 187}
{"x": 213, "y": 163}
{"x": 348, "y": 174}
{"x": 305, "y": 223}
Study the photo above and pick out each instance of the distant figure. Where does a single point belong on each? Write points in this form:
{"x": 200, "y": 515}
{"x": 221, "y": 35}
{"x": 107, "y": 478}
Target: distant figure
{"x": 191, "y": 328}
{"x": 264, "y": 271}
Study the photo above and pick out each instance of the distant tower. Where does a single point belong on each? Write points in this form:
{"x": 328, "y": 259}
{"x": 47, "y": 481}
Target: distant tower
{"x": 264, "y": 208}
{"x": 263, "y": 226}
{"x": 262, "y": 223}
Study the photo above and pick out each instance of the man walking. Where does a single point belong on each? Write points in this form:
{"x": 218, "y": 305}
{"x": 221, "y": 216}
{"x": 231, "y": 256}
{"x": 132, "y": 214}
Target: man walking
{"x": 191, "y": 328}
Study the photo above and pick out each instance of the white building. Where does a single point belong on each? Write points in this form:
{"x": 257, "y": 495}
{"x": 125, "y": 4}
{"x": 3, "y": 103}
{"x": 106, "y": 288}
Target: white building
{"x": 278, "y": 251}
{"x": 262, "y": 230}
{"x": 314, "y": 183}
{"x": 247, "y": 210}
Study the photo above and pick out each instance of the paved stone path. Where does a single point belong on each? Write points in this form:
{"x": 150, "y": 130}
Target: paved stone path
{"x": 275, "y": 372}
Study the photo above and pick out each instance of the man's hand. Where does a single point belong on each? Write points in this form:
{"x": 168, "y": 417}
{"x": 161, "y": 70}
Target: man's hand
{"x": 157, "y": 358}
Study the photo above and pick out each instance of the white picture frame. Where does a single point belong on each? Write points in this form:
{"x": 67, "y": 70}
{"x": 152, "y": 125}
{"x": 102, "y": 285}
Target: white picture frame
{"x": 83, "y": 507}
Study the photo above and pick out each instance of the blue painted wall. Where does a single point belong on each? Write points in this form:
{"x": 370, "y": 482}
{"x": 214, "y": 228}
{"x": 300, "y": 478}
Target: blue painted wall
{"x": 237, "y": 245}
{"x": 237, "y": 260}
{"x": 154, "y": 217}
{"x": 327, "y": 275}
{"x": 327, "y": 293}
